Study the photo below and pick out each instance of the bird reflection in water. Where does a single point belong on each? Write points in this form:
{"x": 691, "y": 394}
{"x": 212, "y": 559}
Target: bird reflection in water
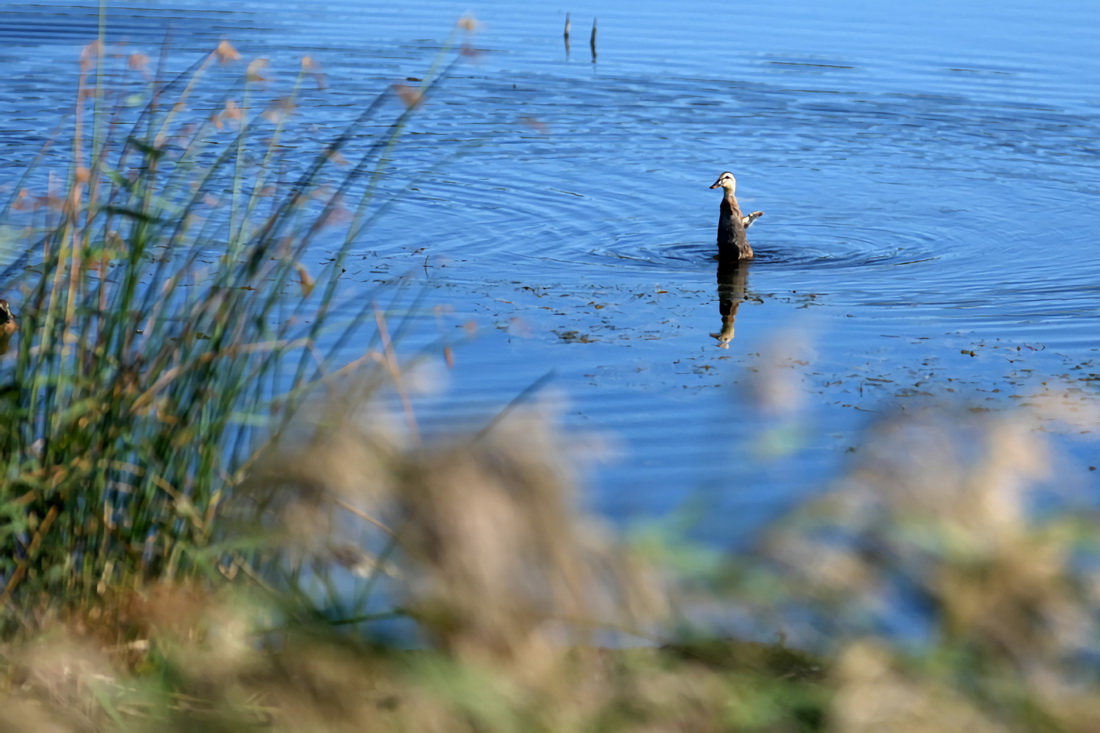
{"x": 734, "y": 255}
{"x": 732, "y": 278}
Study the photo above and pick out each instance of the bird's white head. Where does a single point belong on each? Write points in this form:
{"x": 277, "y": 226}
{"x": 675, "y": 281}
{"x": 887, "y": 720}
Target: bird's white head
{"x": 726, "y": 181}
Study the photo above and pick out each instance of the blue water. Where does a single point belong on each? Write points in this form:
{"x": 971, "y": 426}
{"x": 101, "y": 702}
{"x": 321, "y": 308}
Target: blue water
{"x": 928, "y": 171}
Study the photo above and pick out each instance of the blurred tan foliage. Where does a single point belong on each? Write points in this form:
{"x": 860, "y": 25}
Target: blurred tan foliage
{"x": 515, "y": 590}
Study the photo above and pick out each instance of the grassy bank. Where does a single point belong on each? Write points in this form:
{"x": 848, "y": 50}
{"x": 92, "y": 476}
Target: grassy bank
{"x": 931, "y": 599}
{"x": 207, "y": 523}
{"x": 168, "y": 325}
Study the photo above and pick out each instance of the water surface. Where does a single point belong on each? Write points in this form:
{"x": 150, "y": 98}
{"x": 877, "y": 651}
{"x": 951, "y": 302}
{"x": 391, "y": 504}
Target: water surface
{"x": 929, "y": 175}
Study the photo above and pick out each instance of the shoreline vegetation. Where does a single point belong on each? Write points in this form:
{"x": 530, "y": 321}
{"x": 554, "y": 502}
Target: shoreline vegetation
{"x": 208, "y": 522}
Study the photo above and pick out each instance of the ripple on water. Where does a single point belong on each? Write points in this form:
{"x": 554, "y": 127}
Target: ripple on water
{"x": 547, "y": 225}
{"x": 796, "y": 248}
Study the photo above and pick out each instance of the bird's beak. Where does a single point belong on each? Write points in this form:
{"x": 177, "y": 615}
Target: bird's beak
{"x": 715, "y": 185}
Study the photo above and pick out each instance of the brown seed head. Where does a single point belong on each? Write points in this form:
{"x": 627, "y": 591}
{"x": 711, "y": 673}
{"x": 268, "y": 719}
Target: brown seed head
{"x": 226, "y": 53}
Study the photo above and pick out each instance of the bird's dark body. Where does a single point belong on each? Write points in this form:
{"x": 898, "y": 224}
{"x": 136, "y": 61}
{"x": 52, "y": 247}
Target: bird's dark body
{"x": 732, "y": 242}
{"x": 733, "y": 245}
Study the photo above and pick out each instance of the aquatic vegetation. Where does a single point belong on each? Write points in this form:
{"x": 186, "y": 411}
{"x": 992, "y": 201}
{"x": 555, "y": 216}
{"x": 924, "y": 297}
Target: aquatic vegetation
{"x": 168, "y": 321}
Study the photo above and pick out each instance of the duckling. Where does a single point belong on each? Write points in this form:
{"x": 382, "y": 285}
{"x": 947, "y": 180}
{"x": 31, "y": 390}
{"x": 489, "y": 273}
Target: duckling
{"x": 732, "y": 243}
{"x": 8, "y": 325}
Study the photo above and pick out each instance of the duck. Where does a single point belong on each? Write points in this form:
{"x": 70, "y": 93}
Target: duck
{"x": 732, "y": 242}
{"x": 8, "y": 324}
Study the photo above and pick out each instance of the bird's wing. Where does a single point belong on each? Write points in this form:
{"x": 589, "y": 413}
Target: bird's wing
{"x": 748, "y": 220}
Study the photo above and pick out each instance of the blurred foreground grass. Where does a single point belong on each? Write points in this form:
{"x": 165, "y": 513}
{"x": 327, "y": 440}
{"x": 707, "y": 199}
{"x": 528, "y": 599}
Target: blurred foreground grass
{"x": 207, "y": 527}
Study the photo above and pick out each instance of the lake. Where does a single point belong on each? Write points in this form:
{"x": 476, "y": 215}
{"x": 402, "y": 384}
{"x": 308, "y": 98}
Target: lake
{"x": 929, "y": 173}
